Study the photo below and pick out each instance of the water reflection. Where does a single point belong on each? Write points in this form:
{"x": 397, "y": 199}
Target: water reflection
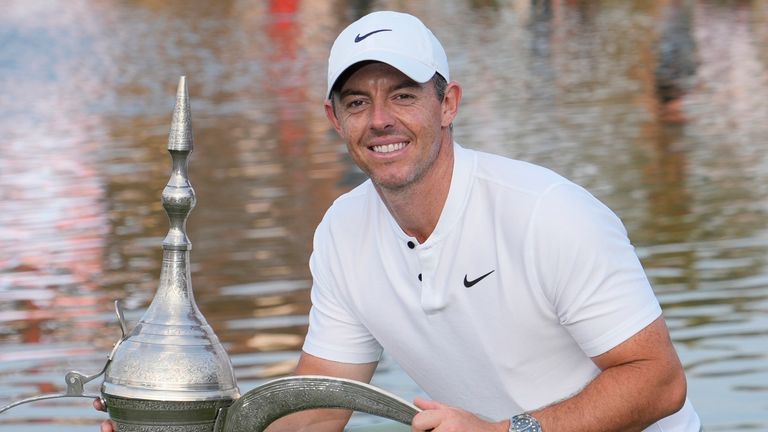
{"x": 658, "y": 107}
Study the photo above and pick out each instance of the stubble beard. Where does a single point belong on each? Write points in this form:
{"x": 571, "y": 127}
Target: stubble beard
{"x": 414, "y": 175}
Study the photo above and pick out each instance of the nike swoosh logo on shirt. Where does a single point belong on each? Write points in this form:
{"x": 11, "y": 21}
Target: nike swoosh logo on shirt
{"x": 359, "y": 38}
{"x": 471, "y": 283}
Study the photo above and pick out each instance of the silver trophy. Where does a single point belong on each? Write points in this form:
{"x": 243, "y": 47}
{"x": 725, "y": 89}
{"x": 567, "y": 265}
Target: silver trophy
{"x": 171, "y": 373}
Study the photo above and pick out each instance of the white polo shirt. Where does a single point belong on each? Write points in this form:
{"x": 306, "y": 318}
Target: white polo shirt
{"x": 525, "y": 277}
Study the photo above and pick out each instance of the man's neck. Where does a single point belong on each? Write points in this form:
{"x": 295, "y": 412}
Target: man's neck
{"x": 417, "y": 208}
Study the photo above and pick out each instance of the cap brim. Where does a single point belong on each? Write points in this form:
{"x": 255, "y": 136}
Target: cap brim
{"x": 414, "y": 69}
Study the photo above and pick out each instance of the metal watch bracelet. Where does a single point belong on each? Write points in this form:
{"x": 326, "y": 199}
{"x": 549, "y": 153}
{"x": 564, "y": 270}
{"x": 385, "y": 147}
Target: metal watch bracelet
{"x": 524, "y": 423}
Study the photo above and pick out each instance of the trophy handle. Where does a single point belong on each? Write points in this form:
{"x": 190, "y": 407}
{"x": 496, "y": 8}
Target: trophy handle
{"x": 258, "y": 408}
{"x": 75, "y": 380}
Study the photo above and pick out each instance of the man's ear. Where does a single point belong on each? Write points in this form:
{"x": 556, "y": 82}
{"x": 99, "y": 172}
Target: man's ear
{"x": 451, "y": 102}
{"x": 332, "y": 116}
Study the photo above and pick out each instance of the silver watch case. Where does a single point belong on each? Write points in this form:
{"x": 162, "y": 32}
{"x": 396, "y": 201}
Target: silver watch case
{"x": 524, "y": 423}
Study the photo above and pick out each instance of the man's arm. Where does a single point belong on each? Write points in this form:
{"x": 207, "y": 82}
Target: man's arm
{"x": 323, "y": 420}
{"x": 641, "y": 381}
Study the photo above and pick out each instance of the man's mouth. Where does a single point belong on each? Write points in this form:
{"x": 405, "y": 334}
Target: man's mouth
{"x": 388, "y": 148}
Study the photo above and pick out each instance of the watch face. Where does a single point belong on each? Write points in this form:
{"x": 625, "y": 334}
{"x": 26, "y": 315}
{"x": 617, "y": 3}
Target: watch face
{"x": 524, "y": 423}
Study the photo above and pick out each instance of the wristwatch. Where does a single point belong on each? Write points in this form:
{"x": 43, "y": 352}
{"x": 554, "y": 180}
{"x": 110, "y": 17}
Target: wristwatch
{"x": 524, "y": 423}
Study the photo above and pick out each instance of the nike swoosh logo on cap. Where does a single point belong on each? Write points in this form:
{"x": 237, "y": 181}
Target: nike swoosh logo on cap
{"x": 359, "y": 38}
{"x": 470, "y": 283}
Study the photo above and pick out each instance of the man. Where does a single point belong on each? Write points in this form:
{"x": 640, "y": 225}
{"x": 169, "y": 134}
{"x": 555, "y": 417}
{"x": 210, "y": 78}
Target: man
{"x": 500, "y": 287}
{"x": 505, "y": 291}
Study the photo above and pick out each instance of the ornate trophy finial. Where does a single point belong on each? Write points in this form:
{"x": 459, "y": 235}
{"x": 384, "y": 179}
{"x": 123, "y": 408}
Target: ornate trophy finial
{"x": 178, "y": 195}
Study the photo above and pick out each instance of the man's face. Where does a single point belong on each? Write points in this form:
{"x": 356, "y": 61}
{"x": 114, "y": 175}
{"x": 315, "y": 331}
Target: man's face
{"x": 392, "y": 125}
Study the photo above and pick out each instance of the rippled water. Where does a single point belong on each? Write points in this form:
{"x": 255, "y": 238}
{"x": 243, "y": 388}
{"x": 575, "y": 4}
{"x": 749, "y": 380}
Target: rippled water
{"x": 660, "y": 108}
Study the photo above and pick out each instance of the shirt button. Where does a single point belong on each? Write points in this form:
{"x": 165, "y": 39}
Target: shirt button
{"x": 411, "y": 244}
{"x": 419, "y": 276}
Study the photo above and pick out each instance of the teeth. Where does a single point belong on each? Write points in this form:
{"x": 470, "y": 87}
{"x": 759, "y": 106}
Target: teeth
{"x": 388, "y": 148}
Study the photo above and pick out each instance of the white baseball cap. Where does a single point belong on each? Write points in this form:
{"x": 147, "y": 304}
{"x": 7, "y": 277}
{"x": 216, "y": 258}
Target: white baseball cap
{"x": 395, "y": 38}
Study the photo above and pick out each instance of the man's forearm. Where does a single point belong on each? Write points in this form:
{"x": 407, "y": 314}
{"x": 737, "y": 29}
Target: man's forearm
{"x": 320, "y": 420}
{"x": 619, "y": 399}
{"x": 625, "y": 396}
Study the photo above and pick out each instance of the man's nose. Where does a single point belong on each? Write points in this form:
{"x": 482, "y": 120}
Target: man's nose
{"x": 381, "y": 116}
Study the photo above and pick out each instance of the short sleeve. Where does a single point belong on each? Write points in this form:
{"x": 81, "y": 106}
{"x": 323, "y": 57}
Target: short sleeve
{"x": 335, "y": 331}
{"x": 589, "y": 270}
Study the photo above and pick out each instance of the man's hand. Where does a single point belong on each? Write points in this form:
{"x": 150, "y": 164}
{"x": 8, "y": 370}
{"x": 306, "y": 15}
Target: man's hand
{"x": 106, "y": 425}
{"x": 443, "y": 418}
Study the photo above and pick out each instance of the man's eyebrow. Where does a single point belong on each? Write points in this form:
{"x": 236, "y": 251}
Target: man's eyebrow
{"x": 406, "y": 83}
{"x": 350, "y": 92}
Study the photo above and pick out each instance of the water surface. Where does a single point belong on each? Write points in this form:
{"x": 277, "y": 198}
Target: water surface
{"x": 657, "y": 107}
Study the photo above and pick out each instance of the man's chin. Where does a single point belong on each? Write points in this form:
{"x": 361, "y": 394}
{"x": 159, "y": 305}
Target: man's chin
{"x": 391, "y": 183}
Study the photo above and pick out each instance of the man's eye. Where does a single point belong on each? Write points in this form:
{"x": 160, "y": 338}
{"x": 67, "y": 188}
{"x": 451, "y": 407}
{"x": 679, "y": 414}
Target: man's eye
{"x": 404, "y": 97}
{"x": 354, "y": 104}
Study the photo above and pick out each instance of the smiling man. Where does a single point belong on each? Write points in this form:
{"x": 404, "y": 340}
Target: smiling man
{"x": 509, "y": 294}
